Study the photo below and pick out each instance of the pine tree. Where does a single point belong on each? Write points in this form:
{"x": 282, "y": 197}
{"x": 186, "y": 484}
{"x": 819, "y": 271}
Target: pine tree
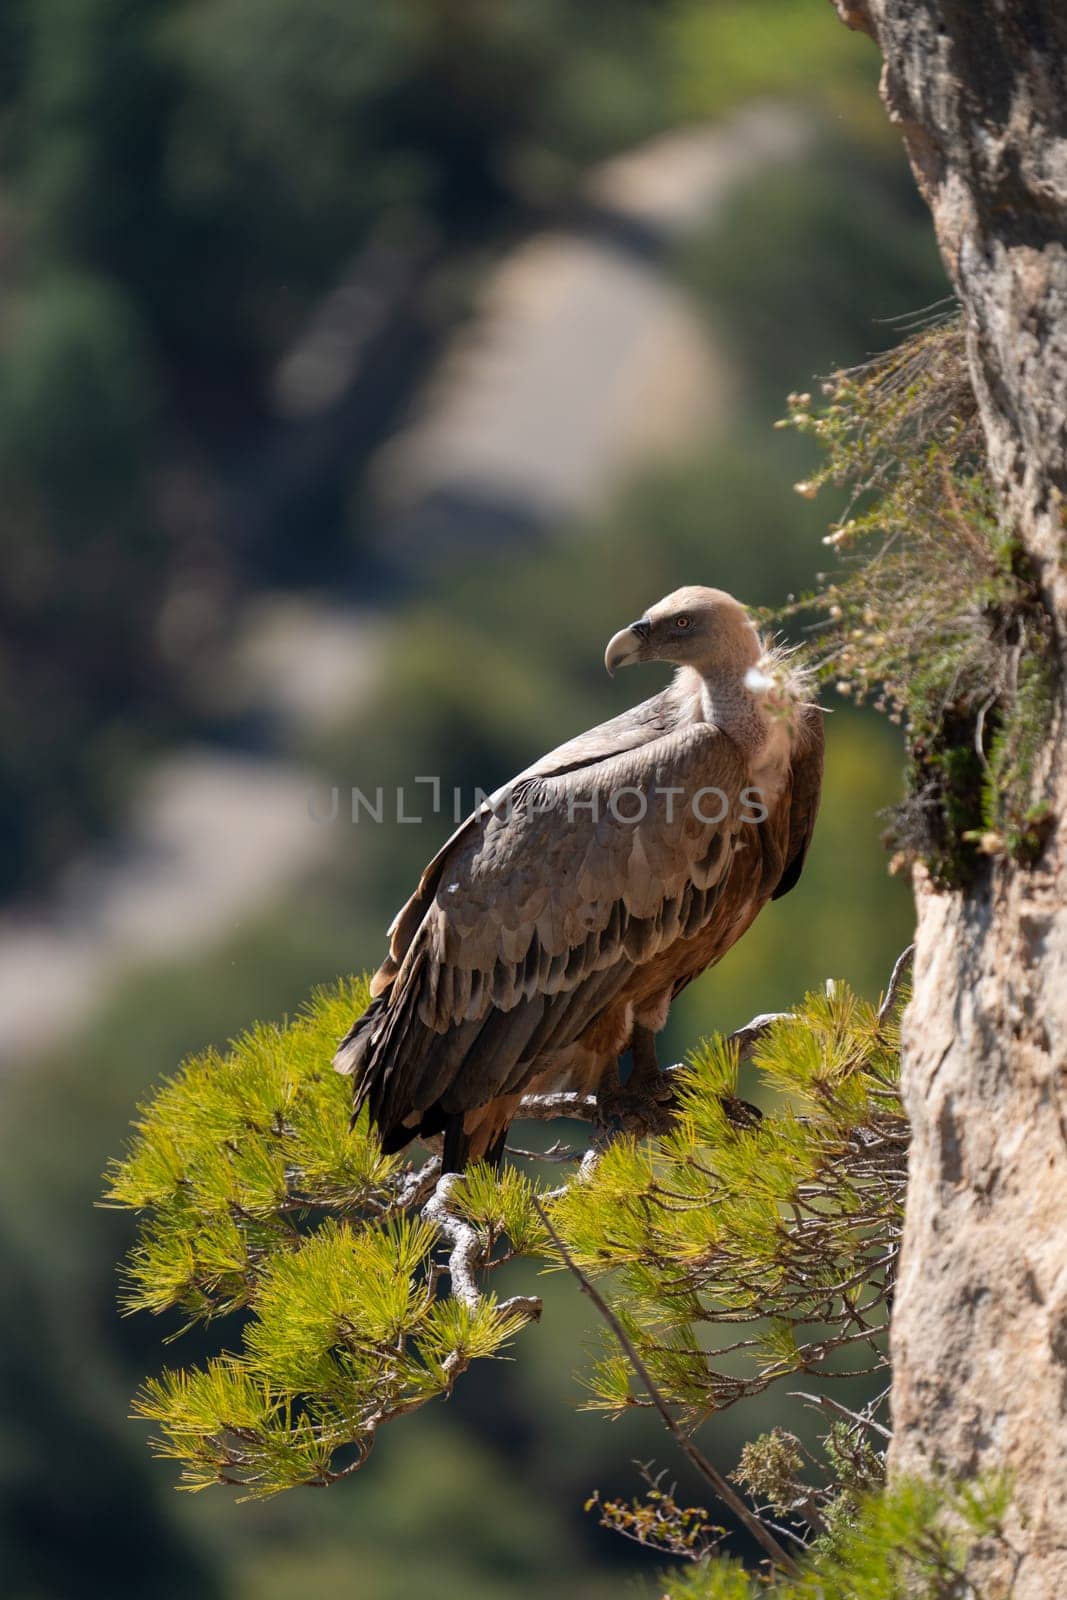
{"x": 730, "y": 1251}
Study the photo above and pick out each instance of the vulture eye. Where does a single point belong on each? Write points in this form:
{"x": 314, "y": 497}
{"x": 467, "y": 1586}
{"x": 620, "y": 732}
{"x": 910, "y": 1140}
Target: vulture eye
{"x": 682, "y": 622}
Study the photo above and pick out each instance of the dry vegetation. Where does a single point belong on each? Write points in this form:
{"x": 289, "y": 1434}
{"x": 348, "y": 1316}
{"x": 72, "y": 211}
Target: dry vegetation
{"x": 934, "y": 613}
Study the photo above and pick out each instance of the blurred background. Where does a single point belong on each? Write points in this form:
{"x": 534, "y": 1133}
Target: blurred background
{"x": 364, "y": 366}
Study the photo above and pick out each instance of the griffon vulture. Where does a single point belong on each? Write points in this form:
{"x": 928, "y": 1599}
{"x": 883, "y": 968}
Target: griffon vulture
{"x": 552, "y": 931}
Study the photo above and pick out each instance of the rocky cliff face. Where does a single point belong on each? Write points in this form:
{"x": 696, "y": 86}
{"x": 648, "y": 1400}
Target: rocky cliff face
{"x": 979, "y": 90}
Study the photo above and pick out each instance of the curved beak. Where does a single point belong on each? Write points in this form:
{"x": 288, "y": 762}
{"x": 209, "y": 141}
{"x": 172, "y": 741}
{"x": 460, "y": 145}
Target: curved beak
{"x": 627, "y": 646}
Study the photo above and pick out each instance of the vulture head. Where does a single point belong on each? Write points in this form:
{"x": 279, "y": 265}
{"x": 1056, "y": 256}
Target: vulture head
{"x": 695, "y": 627}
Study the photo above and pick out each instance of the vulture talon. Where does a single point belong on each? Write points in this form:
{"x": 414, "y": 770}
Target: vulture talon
{"x": 740, "y": 1113}
{"x": 620, "y": 1110}
{"x": 646, "y": 1079}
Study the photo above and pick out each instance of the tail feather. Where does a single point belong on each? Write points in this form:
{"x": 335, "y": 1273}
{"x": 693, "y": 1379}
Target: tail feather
{"x": 418, "y": 1081}
{"x": 351, "y": 1054}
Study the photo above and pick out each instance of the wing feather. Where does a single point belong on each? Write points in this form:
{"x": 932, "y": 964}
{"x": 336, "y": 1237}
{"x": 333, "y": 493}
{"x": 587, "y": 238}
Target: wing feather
{"x": 561, "y": 889}
{"x": 807, "y": 765}
{"x": 581, "y": 889}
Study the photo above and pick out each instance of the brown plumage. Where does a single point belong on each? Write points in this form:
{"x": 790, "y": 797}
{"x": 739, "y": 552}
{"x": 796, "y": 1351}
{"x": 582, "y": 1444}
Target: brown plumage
{"x": 552, "y": 931}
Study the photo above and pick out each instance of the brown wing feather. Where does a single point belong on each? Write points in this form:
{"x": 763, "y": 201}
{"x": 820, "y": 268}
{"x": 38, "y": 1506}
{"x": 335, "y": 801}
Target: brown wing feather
{"x": 807, "y": 765}
{"x": 766, "y": 865}
{"x": 633, "y": 729}
{"x": 537, "y": 911}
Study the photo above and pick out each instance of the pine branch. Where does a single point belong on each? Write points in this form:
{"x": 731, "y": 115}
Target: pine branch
{"x": 255, "y": 1195}
{"x": 725, "y": 1492}
{"x": 469, "y": 1252}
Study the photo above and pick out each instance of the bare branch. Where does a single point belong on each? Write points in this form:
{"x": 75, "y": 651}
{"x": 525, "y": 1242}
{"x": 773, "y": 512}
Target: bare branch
{"x": 752, "y": 1032}
{"x": 465, "y": 1240}
{"x": 546, "y": 1107}
{"x": 415, "y": 1188}
{"x": 586, "y": 1108}
{"x": 555, "y": 1152}
{"x": 901, "y": 967}
{"x": 824, "y": 1401}
{"x": 642, "y": 1115}
{"x": 468, "y": 1248}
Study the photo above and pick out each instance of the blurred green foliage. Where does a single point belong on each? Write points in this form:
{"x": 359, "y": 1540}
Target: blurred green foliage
{"x": 730, "y": 52}
{"x": 854, "y": 252}
{"x": 63, "y": 1470}
{"x": 183, "y": 181}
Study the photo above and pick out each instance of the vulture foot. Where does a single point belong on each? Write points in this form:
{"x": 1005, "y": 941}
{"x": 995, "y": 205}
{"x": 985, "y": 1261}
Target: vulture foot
{"x": 647, "y": 1079}
{"x": 644, "y": 1107}
{"x": 740, "y": 1113}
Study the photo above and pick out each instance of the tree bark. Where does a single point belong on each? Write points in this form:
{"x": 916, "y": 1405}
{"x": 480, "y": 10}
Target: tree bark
{"x": 979, "y": 91}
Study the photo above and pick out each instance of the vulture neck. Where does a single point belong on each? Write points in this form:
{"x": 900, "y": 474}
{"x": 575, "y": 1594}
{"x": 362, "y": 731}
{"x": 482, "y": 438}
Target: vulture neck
{"x": 725, "y": 701}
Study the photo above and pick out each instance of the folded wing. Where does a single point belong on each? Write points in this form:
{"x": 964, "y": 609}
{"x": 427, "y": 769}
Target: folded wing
{"x": 538, "y": 910}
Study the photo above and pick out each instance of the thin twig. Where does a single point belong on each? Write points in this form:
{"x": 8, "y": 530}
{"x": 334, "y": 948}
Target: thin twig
{"x": 710, "y": 1473}
{"x": 979, "y": 731}
{"x": 896, "y": 980}
{"x": 556, "y": 1152}
{"x": 824, "y": 1401}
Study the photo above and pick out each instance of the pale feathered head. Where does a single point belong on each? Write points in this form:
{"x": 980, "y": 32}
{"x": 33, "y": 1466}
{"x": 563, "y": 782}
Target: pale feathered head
{"x": 695, "y": 627}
